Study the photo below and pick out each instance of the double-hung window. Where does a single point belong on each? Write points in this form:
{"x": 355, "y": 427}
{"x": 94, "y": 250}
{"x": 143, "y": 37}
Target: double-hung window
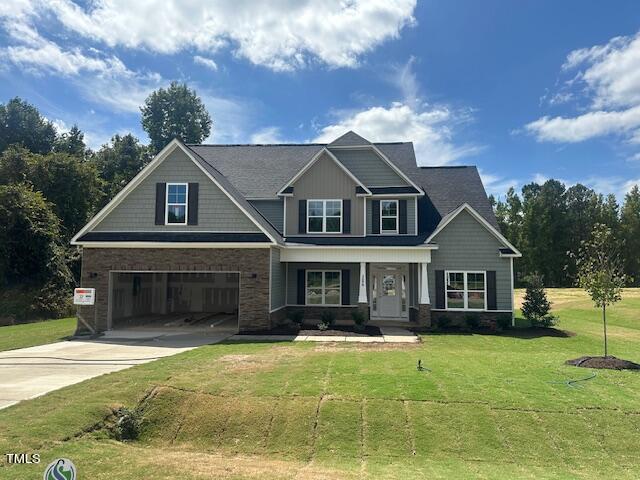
{"x": 176, "y": 211}
{"x": 324, "y": 216}
{"x": 388, "y": 216}
{"x": 466, "y": 291}
{"x": 323, "y": 287}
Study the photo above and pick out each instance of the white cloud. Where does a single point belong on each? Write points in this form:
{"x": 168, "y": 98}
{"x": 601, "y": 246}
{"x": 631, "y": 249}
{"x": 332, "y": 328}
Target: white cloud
{"x": 206, "y": 62}
{"x": 608, "y": 77}
{"x": 281, "y": 35}
{"x": 267, "y": 135}
{"x": 496, "y": 185}
{"x": 430, "y": 128}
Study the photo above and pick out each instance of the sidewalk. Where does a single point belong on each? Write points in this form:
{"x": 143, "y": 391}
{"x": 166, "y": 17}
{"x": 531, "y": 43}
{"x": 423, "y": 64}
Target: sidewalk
{"x": 389, "y": 335}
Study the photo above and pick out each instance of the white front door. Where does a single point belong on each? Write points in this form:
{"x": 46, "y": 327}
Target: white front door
{"x": 389, "y": 296}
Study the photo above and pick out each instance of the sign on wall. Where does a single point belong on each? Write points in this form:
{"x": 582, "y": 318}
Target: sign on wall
{"x": 84, "y": 296}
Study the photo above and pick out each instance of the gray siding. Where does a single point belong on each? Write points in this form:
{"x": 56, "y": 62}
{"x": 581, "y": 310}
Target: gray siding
{"x": 216, "y": 212}
{"x": 278, "y": 280}
{"x": 464, "y": 244}
{"x": 292, "y": 278}
{"x": 325, "y": 180}
{"x": 272, "y": 210}
{"x": 411, "y": 215}
{"x": 369, "y": 168}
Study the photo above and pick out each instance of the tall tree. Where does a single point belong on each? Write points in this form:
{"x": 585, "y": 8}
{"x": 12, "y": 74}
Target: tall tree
{"x": 630, "y": 227}
{"x": 22, "y": 124}
{"x": 120, "y": 161}
{"x": 175, "y": 112}
{"x": 71, "y": 142}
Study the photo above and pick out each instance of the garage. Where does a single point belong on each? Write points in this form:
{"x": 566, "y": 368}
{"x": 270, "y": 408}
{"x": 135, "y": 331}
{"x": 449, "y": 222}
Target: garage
{"x": 170, "y": 299}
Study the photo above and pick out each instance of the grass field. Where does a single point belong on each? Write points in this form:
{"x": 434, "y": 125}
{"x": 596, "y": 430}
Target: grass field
{"x": 39, "y": 333}
{"x": 492, "y": 406}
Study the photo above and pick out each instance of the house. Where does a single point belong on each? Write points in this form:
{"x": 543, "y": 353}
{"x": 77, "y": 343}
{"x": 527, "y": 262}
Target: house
{"x": 260, "y": 230}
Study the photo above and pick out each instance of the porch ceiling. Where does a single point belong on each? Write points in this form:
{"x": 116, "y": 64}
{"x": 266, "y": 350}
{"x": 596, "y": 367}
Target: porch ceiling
{"x": 370, "y": 254}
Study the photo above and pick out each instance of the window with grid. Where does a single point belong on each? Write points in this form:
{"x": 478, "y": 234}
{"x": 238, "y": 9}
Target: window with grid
{"x": 323, "y": 287}
{"x": 388, "y": 216}
{"x": 465, "y": 291}
{"x": 324, "y": 216}
{"x": 176, "y": 203}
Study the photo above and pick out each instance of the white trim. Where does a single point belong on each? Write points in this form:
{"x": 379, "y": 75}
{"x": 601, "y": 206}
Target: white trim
{"x": 384, "y": 158}
{"x": 174, "y": 245}
{"x": 284, "y": 218}
{"x": 423, "y": 283}
{"x": 513, "y": 298}
{"x": 144, "y": 173}
{"x": 397, "y": 217}
{"x": 270, "y": 274}
{"x": 324, "y": 215}
{"x": 394, "y": 195}
{"x": 480, "y": 219}
{"x": 306, "y": 288}
{"x": 320, "y": 306}
{"x": 477, "y": 311}
{"x": 313, "y": 160}
{"x": 276, "y": 309}
{"x": 465, "y": 291}
{"x": 362, "y": 284}
{"x": 166, "y": 203}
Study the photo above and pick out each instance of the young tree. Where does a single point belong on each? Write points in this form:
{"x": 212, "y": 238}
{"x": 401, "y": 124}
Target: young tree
{"x": 22, "y": 124}
{"x": 175, "y": 112}
{"x": 536, "y": 307}
{"x": 600, "y": 271}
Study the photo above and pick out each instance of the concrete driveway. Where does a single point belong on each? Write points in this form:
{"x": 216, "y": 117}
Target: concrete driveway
{"x": 30, "y": 372}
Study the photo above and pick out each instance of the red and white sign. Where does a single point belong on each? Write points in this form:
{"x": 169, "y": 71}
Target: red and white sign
{"x": 84, "y": 296}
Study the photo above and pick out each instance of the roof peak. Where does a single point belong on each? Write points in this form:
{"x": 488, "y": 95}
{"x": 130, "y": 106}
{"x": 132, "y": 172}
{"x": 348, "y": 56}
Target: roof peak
{"x": 350, "y": 138}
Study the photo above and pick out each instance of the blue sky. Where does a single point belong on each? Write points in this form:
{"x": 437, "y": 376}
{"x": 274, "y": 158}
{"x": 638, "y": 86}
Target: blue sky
{"x": 524, "y": 90}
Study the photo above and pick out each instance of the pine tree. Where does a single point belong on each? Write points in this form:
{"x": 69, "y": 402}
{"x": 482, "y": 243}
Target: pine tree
{"x": 536, "y": 307}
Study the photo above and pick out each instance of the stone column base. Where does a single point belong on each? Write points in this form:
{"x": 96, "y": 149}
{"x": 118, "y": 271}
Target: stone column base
{"x": 364, "y": 308}
{"x": 424, "y": 315}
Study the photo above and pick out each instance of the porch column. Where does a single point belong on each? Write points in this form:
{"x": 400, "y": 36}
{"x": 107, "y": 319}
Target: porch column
{"x": 362, "y": 292}
{"x": 424, "y": 285}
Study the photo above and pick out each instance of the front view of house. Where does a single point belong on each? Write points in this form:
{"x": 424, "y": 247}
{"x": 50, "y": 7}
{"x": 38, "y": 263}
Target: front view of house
{"x": 257, "y": 231}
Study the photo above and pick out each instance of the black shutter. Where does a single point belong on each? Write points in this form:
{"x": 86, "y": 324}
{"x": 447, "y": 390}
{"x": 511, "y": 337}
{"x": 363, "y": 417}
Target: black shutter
{"x": 302, "y": 216}
{"x": 301, "y": 286}
{"x": 402, "y": 228}
{"x": 375, "y": 216}
{"x": 346, "y": 287}
{"x": 492, "y": 297}
{"x": 439, "y": 288}
{"x": 193, "y": 204}
{"x": 161, "y": 191}
{"x": 346, "y": 216}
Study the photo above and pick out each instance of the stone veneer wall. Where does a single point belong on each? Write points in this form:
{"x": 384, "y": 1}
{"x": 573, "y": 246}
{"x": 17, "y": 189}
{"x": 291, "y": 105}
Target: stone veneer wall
{"x": 252, "y": 263}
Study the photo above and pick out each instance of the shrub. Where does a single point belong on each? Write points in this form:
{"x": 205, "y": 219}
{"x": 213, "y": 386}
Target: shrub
{"x": 327, "y": 319}
{"x": 443, "y": 321}
{"x": 547, "y": 321}
{"x": 504, "y": 321}
{"x": 358, "y": 317}
{"x": 472, "y": 320}
{"x": 323, "y": 326}
{"x": 128, "y": 424}
{"x": 296, "y": 316}
{"x": 536, "y": 306}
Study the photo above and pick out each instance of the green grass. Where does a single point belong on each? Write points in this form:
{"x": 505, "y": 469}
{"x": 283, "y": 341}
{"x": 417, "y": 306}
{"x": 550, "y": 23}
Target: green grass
{"x": 39, "y": 333}
{"x": 487, "y": 409}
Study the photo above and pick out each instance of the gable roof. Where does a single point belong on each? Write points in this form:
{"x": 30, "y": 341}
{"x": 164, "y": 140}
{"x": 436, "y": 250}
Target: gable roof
{"x": 349, "y": 139}
{"x": 447, "y": 219}
{"x": 285, "y": 188}
{"x": 221, "y": 182}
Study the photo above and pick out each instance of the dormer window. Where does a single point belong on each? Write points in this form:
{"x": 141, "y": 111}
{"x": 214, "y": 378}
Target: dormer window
{"x": 388, "y": 216}
{"x": 177, "y": 194}
{"x": 324, "y": 216}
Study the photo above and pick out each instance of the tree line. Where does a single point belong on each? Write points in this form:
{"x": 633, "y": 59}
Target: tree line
{"x": 548, "y": 222}
{"x": 51, "y": 184}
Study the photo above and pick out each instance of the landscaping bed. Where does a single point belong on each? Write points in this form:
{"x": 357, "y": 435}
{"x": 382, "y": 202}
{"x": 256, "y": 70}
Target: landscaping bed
{"x": 610, "y": 362}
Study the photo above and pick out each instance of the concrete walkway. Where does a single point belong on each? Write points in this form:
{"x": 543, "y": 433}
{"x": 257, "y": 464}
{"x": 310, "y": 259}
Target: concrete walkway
{"x": 389, "y": 335}
{"x": 30, "y": 372}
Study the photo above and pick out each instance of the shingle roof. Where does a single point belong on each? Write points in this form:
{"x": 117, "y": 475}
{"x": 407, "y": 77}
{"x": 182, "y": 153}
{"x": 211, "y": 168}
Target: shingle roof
{"x": 259, "y": 171}
{"x": 348, "y": 139}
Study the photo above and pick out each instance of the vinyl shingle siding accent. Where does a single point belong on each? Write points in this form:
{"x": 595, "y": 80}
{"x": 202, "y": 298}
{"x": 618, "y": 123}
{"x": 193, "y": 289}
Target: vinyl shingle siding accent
{"x": 325, "y": 180}
{"x": 466, "y": 245}
{"x": 411, "y": 217}
{"x": 369, "y": 168}
{"x": 278, "y": 275}
{"x": 216, "y": 212}
{"x": 272, "y": 210}
{"x": 292, "y": 278}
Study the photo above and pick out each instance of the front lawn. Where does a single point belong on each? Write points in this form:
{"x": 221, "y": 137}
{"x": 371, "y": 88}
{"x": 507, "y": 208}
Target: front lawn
{"x": 38, "y": 333}
{"x": 490, "y": 407}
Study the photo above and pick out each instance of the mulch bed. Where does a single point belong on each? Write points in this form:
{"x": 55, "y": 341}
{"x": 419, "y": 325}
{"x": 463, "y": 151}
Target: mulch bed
{"x": 342, "y": 331}
{"x": 609, "y": 362}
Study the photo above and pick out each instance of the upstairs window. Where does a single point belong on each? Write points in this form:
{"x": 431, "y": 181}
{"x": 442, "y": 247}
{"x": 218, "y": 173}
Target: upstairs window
{"x": 466, "y": 291}
{"x": 324, "y": 216}
{"x": 176, "y": 204}
{"x": 388, "y": 216}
